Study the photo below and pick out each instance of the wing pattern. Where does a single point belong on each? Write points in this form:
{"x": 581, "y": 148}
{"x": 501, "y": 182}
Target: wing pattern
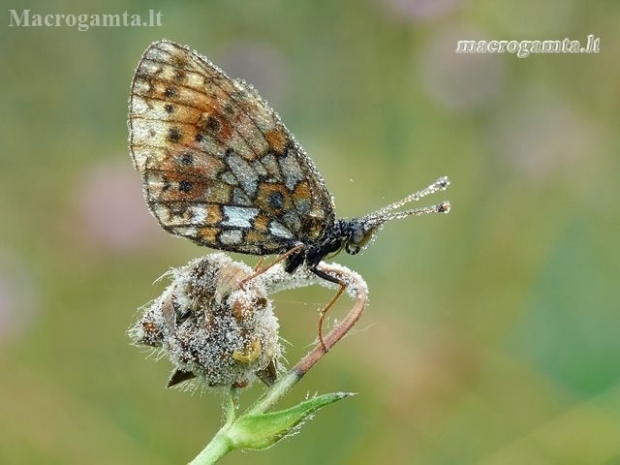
{"x": 219, "y": 166}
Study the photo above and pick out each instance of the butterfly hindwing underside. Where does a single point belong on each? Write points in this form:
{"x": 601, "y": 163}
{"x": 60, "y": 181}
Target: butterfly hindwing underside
{"x": 218, "y": 165}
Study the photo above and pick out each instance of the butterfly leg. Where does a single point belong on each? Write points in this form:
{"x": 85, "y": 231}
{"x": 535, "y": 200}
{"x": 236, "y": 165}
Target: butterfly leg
{"x": 259, "y": 264}
{"x": 258, "y": 271}
{"x": 332, "y": 279}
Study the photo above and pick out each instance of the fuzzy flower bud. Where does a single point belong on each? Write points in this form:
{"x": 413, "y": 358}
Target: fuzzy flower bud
{"x": 212, "y": 327}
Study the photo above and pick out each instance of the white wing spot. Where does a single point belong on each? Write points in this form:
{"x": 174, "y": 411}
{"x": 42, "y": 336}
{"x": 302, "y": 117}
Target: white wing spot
{"x": 239, "y": 217}
{"x": 187, "y": 231}
{"x": 243, "y": 172}
{"x": 291, "y": 170}
{"x": 231, "y": 237}
{"x": 198, "y": 213}
{"x": 277, "y": 229}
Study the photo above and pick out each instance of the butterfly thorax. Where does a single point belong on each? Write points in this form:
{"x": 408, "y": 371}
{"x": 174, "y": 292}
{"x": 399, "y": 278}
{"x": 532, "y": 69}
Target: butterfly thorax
{"x": 351, "y": 235}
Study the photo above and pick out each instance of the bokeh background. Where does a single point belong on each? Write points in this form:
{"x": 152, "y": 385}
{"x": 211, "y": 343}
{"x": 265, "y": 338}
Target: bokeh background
{"x": 493, "y": 333}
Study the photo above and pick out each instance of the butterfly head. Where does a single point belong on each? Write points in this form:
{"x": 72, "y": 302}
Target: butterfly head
{"x": 357, "y": 235}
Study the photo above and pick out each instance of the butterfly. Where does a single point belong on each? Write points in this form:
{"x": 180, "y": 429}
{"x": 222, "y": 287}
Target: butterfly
{"x": 220, "y": 168}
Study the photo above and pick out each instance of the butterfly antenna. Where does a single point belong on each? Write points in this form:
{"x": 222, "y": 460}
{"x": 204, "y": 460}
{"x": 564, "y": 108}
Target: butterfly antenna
{"x": 386, "y": 213}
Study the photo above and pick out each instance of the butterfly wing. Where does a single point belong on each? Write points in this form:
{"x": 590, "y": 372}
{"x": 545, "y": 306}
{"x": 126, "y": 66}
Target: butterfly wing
{"x": 219, "y": 166}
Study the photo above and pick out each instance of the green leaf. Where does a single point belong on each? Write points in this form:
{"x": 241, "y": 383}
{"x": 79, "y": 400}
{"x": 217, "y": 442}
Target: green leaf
{"x": 260, "y": 431}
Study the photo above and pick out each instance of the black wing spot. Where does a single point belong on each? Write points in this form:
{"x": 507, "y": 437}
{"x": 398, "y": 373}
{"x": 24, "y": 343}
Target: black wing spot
{"x": 185, "y": 186}
{"x": 170, "y": 92}
{"x": 174, "y": 135}
{"x": 169, "y": 108}
{"x": 187, "y": 159}
{"x": 213, "y": 123}
{"x": 276, "y": 200}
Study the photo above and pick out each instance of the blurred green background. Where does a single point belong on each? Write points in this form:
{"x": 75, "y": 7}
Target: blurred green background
{"x": 493, "y": 333}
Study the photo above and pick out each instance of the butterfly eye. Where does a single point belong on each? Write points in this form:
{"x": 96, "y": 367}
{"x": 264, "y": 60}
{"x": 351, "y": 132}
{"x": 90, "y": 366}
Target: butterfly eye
{"x": 352, "y": 249}
{"x": 358, "y": 237}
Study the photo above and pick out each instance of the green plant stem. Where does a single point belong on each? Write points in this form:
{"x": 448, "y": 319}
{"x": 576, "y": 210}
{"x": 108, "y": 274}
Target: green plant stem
{"x": 274, "y": 393}
{"x": 230, "y": 405}
{"x": 219, "y": 446}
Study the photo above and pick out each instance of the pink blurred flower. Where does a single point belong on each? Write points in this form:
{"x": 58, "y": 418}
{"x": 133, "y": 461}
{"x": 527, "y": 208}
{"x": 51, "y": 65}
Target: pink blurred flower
{"x": 112, "y": 209}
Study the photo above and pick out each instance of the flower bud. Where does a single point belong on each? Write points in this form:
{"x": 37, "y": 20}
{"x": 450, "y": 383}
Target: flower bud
{"x": 212, "y": 326}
